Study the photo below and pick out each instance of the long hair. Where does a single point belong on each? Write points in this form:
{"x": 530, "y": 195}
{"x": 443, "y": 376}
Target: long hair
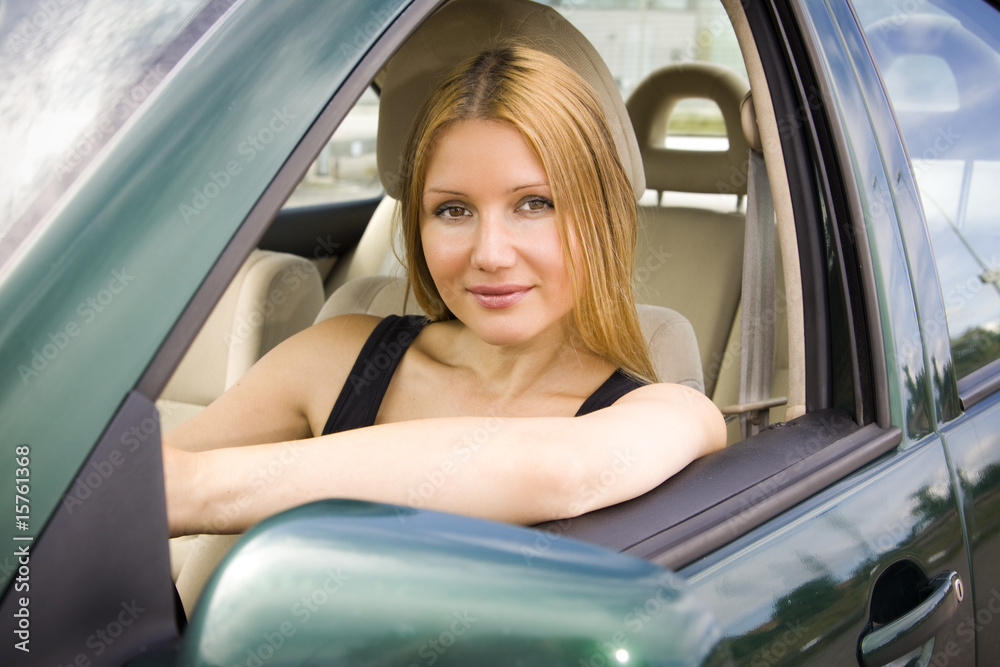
{"x": 561, "y": 119}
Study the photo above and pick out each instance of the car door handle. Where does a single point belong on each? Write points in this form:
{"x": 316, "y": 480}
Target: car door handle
{"x": 917, "y": 626}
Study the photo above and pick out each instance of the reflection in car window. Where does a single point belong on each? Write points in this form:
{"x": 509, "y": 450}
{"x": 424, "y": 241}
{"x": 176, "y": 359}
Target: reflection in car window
{"x": 72, "y": 73}
{"x": 940, "y": 63}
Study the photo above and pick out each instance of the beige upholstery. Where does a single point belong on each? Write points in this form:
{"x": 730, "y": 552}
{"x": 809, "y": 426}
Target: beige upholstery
{"x": 793, "y": 352}
{"x": 373, "y": 255}
{"x": 194, "y": 558}
{"x": 700, "y": 268}
{"x": 273, "y": 296}
{"x": 691, "y": 259}
{"x": 670, "y": 338}
{"x": 470, "y": 26}
{"x": 727, "y": 368}
{"x": 649, "y": 107}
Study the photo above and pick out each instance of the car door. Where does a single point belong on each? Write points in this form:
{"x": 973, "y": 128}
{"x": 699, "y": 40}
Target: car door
{"x": 874, "y": 568}
{"x": 939, "y": 64}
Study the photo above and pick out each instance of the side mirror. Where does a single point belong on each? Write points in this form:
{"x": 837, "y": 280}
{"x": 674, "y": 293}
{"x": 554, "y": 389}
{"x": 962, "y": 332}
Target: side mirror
{"x": 353, "y": 583}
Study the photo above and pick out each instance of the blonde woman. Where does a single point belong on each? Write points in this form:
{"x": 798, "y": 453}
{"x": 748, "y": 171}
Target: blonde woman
{"x": 526, "y": 395}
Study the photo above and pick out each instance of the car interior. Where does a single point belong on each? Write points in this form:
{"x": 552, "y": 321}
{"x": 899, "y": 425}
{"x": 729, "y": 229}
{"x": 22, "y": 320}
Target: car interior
{"x": 695, "y": 219}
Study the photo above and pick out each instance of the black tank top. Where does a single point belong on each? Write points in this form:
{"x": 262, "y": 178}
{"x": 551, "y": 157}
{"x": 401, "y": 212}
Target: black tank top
{"x": 362, "y": 395}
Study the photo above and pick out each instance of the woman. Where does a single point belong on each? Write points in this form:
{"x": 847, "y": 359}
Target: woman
{"x": 527, "y": 396}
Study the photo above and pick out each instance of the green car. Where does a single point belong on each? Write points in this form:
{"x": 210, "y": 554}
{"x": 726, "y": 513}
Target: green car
{"x": 186, "y": 183}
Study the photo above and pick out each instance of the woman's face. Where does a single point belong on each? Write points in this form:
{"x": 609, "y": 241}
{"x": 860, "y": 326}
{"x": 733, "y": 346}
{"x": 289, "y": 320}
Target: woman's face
{"x": 490, "y": 234}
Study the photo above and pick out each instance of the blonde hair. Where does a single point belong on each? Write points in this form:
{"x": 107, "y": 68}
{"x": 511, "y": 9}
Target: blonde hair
{"x": 560, "y": 117}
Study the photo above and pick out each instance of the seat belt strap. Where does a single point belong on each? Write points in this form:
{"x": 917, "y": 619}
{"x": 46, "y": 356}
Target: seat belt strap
{"x": 758, "y": 316}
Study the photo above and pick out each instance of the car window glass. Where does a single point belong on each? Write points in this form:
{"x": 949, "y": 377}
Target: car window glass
{"x": 345, "y": 168}
{"x": 940, "y": 62}
{"x": 72, "y": 74}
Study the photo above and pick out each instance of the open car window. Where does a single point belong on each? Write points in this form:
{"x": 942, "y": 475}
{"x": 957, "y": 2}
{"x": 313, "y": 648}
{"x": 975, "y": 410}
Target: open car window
{"x": 690, "y": 260}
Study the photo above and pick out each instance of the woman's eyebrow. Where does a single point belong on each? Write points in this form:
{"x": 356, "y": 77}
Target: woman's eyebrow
{"x": 516, "y": 188}
{"x": 526, "y": 186}
{"x": 442, "y": 191}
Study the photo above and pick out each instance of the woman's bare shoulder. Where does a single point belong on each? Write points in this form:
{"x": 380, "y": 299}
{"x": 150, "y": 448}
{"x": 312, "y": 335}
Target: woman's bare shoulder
{"x": 323, "y": 356}
{"x": 344, "y": 334}
{"x": 287, "y": 392}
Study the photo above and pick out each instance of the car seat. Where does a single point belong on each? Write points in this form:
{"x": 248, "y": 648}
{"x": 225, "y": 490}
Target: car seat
{"x": 273, "y": 296}
{"x": 697, "y": 252}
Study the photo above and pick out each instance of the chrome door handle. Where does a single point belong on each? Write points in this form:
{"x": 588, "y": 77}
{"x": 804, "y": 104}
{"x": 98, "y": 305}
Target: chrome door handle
{"x": 917, "y": 626}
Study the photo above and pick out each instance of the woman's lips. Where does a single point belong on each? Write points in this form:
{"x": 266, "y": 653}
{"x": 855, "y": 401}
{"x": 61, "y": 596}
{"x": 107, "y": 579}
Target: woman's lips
{"x": 498, "y": 296}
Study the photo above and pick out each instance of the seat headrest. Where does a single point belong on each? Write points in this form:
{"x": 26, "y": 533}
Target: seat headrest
{"x": 678, "y": 170}
{"x": 466, "y": 27}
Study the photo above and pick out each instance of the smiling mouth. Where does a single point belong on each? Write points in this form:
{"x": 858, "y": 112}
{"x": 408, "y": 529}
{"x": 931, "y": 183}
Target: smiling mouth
{"x": 498, "y": 296}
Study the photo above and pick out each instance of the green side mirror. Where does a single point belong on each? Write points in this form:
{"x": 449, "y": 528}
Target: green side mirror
{"x": 354, "y": 583}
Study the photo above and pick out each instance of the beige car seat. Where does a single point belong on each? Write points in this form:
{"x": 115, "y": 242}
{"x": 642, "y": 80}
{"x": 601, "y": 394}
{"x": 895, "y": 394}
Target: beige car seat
{"x": 695, "y": 255}
{"x": 273, "y": 296}
{"x": 691, "y": 259}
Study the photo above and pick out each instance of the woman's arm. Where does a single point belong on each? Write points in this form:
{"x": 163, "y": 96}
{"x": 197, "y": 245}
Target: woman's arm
{"x": 519, "y": 470}
{"x": 274, "y": 400}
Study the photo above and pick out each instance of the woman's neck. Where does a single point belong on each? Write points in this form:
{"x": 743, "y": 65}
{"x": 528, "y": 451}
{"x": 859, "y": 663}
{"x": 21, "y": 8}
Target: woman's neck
{"x": 546, "y": 362}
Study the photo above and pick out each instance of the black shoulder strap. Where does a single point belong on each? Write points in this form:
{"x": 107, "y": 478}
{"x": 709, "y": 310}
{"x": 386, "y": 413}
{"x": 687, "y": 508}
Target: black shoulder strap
{"x": 362, "y": 395}
{"x": 613, "y": 388}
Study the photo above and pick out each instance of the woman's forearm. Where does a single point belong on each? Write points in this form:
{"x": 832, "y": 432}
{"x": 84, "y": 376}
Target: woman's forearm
{"x": 519, "y": 470}
{"x": 480, "y": 466}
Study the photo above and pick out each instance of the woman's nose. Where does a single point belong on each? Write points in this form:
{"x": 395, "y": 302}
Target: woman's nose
{"x": 494, "y": 243}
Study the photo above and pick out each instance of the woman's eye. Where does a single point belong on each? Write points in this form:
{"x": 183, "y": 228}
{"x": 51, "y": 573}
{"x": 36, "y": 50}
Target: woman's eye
{"x": 451, "y": 211}
{"x": 536, "y": 205}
